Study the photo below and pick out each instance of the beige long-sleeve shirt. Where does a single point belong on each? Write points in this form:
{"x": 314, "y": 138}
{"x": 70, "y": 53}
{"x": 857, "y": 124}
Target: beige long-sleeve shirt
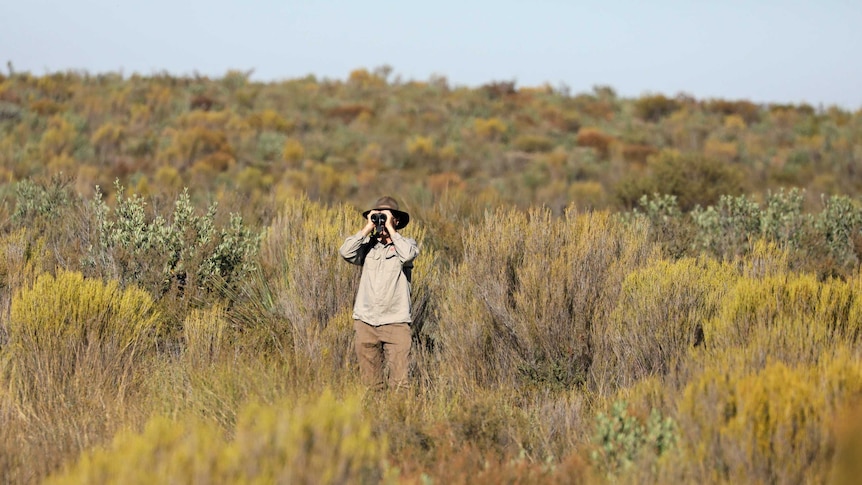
{"x": 384, "y": 288}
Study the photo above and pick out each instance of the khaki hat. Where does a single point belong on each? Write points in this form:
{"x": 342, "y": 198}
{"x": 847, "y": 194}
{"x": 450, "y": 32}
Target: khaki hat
{"x": 388, "y": 203}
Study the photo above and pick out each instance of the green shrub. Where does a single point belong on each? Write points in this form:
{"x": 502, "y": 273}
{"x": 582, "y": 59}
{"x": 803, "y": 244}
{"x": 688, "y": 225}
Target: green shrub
{"x": 839, "y": 225}
{"x": 693, "y": 179}
{"x": 655, "y": 107}
{"x": 622, "y": 440}
{"x": 726, "y": 229}
{"x": 185, "y": 252}
{"x": 42, "y": 203}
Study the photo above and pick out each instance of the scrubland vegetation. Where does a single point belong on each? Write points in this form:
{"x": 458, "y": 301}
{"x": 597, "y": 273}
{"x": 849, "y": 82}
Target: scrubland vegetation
{"x": 650, "y": 290}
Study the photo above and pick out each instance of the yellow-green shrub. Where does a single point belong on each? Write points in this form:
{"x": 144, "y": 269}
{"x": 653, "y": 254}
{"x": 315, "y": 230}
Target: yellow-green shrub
{"x": 324, "y": 441}
{"x": 71, "y": 367}
{"x": 789, "y": 317}
{"x": 533, "y": 143}
{"x": 659, "y": 317}
{"x": 771, "y": 426}
{"x": 68, "y": 330}
{"x": 70, "y": 310}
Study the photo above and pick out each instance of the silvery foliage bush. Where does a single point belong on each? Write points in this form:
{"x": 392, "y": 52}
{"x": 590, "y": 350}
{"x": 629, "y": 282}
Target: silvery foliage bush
{"x": 725, "y": 228}
{"x": 622, "y": 439}
{"x": 186, "y": 249}
{"x": 840, "y": 222}
{"x": 41, "y": 200}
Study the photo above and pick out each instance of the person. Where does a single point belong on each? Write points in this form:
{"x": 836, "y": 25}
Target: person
{"x": 382, "y": 309}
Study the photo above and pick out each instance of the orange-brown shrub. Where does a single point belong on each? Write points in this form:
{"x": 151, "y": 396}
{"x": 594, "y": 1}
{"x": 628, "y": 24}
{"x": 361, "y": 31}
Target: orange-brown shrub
{"x": 445, "y": 181}
{"x": 595, "y": 107}
{"x": 595, "y": 139}
{"x": 499, "y": 89}
{"x": 749, "y": 111}
{"x": 348, "y": 112}
{"x": 201, "y": 102}
{"x": 46, "y": 107}
{"x": 638, "y": 153}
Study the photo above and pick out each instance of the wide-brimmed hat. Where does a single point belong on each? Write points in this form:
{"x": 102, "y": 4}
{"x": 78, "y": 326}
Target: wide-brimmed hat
{"x": 388, "y": 203}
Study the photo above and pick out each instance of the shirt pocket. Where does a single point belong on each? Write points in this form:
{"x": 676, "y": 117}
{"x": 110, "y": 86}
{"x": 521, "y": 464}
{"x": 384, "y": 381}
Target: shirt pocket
{"x": 391, "y": 263}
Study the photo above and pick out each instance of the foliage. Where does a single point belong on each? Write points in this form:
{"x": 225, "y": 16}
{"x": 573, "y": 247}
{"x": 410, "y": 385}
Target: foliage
{"x": 622, "y": 439}
{"x": 322, "y": 441}
{"x": 526, "y": 318}
{"x": 695, "y": 180}
{"x": 659, "y": 317}
{"x": 71, "y": 310}
{"x": 187, "y": 251}
{"x": 655, "y": 107}
{"x": 772, "y": 425}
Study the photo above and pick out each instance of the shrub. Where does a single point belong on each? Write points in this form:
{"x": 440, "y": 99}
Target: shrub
{"x": 658, "y": 319}
{"x": 840, "y": 226}
{"x": 187, "y": 251}
{"x": 42, "y": 203}
{"x": 638, "y": 154}
{"x": 205, "y": 334}
{"x": 421, "y": 146}
{"x": 509, "y": 318}
{"x": 787, "y": 317}
{"x": 749, "y": 111}
{"x": 667, "y": 225}
{"x": 270, "y": 145}
{"x": 533, "y": 143}
{"x": 770, "y": 426}
{"x": 655, "y": 107}
{"x": 693, "y": 179}
{"x": 69, "y": 309}
{"x": 66, "y": 330}
{"x": 595, "y": 139}
{"x": 621, "y": 439}
{"x": 269, "y": 120}
{"x": 322, "y": 441}
{"x": 489, "y": 129}
{"x": 726, "y": 229}
{"x": 293, "y": 151}
{"x": 349, "y": 112}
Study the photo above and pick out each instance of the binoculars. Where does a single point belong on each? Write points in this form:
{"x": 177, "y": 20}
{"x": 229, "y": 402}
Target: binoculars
{"x": 379, "y": 221}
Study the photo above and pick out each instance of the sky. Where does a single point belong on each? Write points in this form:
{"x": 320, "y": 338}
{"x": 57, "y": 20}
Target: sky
{"x": 766, "y": 51}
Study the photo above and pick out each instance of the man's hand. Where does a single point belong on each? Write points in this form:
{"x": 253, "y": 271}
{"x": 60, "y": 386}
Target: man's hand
{"x": 370, "y": 226}
{"x": 390, "y": 222}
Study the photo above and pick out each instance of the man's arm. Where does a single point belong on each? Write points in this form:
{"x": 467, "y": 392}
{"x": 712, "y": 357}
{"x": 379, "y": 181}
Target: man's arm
{"x": 351, "y": 249}
{"x": 406, "y": 248}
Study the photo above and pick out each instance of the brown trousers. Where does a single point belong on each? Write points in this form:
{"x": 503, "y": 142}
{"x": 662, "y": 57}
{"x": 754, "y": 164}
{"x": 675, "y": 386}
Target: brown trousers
{"x": 382, "y": 348}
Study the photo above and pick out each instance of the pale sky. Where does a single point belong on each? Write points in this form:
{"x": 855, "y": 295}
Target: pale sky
{"x": 787, "y": 51}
